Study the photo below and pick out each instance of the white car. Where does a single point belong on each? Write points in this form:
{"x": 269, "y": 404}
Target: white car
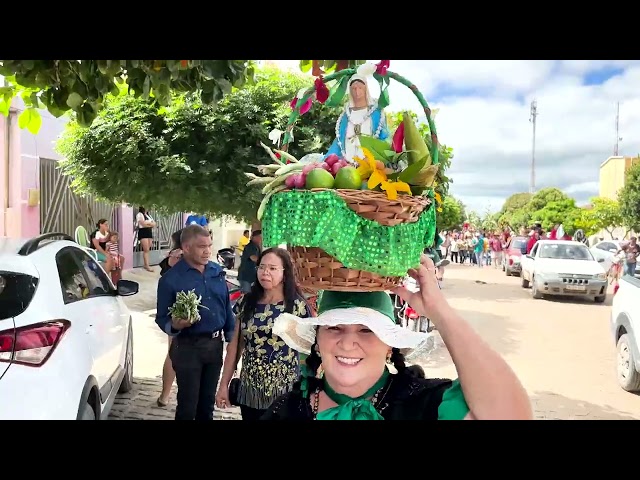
{"x": 561, "y": 267}
{"x": 606, "y": 249}
{"x": 66, "y": 342}
{"x": 625, "y": 327}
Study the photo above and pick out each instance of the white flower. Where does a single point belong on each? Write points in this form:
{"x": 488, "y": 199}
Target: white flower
{"x": 274, "y": 136}
{"x": 366, "y": 69}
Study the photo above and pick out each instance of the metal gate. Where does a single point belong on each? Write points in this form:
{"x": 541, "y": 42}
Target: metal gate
{"x": 166, "y": 225}
{"x": 63, "y": 211}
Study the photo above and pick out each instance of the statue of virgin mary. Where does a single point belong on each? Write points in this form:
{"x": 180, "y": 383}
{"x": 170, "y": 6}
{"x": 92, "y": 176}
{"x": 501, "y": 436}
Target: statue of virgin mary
{"x": 361, "y": 116}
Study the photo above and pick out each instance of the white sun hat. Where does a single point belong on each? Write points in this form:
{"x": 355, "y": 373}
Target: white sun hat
{"x": 372, "y": 309}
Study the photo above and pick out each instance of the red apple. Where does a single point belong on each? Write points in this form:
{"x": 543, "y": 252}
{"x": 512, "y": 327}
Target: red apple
{"x": 331, "y": 159}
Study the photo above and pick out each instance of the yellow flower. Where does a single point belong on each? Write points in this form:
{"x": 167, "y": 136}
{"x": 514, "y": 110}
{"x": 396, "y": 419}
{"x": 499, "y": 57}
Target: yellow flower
{"x": 371, "y": 169}
{"x": 438, "y": 198}
{"x": 392, "y": 188}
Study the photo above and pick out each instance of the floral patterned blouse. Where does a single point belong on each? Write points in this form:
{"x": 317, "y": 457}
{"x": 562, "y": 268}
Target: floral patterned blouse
{"x": 269, "y": 366}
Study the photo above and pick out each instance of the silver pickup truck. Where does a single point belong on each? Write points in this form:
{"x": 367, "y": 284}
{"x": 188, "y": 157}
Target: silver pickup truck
{"x": 625, "y": 327}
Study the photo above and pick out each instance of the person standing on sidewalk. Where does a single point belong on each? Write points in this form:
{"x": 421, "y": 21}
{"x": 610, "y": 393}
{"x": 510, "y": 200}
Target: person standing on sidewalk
{"x": 248, "y": 269}
{"x": 196, "y": 351}
{"x": 632, "y": 250}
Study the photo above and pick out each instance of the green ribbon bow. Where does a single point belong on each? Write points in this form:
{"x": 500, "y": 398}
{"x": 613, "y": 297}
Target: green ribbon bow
{"x": 348, "y": 408}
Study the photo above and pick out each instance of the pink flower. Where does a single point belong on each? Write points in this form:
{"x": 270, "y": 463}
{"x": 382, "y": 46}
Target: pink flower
{"x": 322, "y": 92}
{"x": 304, "y": 108}
{"x": 398, "y": 138}
{"x": 383, "y": 66}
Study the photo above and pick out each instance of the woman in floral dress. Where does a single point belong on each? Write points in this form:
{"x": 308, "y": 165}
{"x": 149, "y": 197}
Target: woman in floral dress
{"x": 269, "y": 366}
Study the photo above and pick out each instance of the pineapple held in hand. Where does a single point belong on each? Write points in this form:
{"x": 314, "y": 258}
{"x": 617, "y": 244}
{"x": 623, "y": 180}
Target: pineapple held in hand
{"x": 186, "y": 306}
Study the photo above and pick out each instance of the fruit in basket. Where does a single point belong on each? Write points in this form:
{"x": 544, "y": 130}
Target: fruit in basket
{"x": 348, "y": 178}
{"x": 332, "y": 159}
{"x": 319, "y": 178}
{"x": 413, "y": 141}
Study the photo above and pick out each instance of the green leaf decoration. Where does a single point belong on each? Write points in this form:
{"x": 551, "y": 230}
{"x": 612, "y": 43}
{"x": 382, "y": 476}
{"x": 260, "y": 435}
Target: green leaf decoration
{"x": 376, "y": 146}
{"x": 337, "y": 92}
{"x": 30, "y": 119}
{"x": 412, "y": 170}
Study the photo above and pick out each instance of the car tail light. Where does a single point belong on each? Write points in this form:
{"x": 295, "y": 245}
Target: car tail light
{"x": 31, "y": 345}
{"x": 411, "y": 313}
{"x": 235, "y": 295}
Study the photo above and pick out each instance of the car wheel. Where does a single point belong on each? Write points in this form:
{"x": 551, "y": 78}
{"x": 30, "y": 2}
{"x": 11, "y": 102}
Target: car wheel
{"x": 87, "y": 413}
{"x": 127, "y": 380}
{"x": 525, "y": 283}
{"x": 628, "y": 376}
{"x": 535, "y": 293}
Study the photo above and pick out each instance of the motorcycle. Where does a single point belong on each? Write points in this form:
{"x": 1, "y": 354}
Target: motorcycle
{"x": 226, "y": 257}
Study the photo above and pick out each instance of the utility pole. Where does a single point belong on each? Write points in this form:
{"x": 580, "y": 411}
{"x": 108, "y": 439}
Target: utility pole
{"x": 532, "y": 119}
{"x": 618, "y": 137}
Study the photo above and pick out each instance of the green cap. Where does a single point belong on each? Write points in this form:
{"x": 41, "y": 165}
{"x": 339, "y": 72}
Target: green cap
{"x": 379, "y": 301}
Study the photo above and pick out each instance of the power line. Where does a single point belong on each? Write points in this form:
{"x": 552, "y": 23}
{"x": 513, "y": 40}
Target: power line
{"x": 532, "y": 119}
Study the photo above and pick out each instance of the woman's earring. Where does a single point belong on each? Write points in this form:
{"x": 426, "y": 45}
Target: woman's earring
{"x": 390, "y": 366}
{"x": 317, "y": 351}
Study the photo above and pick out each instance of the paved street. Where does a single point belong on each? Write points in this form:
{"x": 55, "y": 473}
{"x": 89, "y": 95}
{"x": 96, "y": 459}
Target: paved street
{"x": 561, "y": 349}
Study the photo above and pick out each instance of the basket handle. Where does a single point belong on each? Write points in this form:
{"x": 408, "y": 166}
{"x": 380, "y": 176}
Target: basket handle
{"x": 295, "y": 114}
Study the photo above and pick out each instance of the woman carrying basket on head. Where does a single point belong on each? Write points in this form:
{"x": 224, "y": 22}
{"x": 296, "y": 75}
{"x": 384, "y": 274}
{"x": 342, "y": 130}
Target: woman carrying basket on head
{"x": 359, "y": 347}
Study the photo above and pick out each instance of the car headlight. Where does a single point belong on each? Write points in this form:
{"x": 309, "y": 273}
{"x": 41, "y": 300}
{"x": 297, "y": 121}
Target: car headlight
{"x": 601, "y": 276}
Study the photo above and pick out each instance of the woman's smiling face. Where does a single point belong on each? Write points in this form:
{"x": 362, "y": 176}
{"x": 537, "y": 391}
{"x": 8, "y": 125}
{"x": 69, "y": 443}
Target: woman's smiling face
{"x": 353, "y": 357}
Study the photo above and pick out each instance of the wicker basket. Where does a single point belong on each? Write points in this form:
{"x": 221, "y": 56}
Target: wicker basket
{"x": 316, "y": 269}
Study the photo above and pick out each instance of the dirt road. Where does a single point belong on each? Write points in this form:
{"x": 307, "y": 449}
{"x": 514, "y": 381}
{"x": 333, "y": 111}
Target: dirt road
{"x": 561, "y": 349}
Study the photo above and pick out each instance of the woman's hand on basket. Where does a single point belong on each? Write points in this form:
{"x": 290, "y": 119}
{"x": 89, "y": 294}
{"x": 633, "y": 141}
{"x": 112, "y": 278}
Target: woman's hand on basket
{"x": 429, "y": 296}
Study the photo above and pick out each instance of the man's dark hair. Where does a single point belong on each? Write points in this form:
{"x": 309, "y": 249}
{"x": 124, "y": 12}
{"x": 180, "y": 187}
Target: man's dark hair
{"x": 245, "y": 232}
{"x": 255, "y": 233}
{"x": 191, "y": 232}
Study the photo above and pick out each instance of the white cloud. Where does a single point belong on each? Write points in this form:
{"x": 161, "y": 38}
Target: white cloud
{"x": 484, "y": 115}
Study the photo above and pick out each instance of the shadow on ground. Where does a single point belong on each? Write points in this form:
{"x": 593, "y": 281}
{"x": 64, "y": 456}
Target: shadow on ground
{"x": 552, "y": 406}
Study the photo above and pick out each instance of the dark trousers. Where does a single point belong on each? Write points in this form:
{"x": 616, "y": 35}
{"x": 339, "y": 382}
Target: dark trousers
{"x": 249, "y": 413}
{"x": 197, "y": 362}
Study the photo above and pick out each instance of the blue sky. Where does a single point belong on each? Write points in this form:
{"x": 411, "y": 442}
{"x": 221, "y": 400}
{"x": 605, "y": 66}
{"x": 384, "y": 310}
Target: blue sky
{"x": 483, "y": 114}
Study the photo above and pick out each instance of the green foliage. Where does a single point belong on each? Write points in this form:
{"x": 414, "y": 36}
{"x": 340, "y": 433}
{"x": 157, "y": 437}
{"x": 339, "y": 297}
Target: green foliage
{"x": 445, "y": 153}
{"x": 580, "y": 218}
{"x": 554, "y": 212}
{"x": 452, "y": 216}
{"x": 328, "y": 66}
{"x": 80, "y": 86}
{"x": 190, "y": 156}
{"x": 629, "y": 198}
{"x": 606, "y": 214}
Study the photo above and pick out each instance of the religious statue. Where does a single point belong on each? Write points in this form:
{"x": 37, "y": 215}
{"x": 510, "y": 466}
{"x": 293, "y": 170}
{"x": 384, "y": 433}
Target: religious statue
{"x": 361, "y": 116}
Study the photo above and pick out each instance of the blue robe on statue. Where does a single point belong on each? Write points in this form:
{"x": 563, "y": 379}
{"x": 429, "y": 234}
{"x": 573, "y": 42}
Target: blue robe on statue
{"x": 376, "y": 117}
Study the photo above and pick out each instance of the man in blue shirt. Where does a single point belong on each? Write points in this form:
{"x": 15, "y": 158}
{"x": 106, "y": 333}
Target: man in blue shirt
{"x": 196, "y": 350}
{"x": 195, "y": 219}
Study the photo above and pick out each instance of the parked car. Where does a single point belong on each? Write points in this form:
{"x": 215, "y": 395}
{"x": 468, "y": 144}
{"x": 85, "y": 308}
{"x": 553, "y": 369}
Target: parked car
{"x": 511, "y": 260}
{"x": 66, "y": 340}
{"x": 562, "y": 267}
{"x": 606, "y": 249}
{"x": 625, "y": 327}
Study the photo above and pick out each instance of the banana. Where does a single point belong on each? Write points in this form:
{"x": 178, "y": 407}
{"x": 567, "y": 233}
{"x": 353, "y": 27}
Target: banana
{"x": 292, "y": 167}
{"x": 414, "y": 141}
{"x": 271, "y": 154}
{"x": 287, "y": 156}
{"x": 260, "y": 181}
{"x": 266, "y": 198}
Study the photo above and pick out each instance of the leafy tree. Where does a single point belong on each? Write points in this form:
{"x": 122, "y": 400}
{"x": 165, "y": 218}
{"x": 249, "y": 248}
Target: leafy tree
{"x": 544, "y": 196}
{"x": 452, "y": 215}
{"x": 474, "y": 219}
{"x": 555, "y": 212}
{"x": 606, "y": 214}
{"x": 513, "y": 212}
{"x": 320, "y": 67}
{"x": 190, "y": 155}
{"x": 579, "y": 218}
{"x": 80, "y": 86}
{"x": 629, "y": 198}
